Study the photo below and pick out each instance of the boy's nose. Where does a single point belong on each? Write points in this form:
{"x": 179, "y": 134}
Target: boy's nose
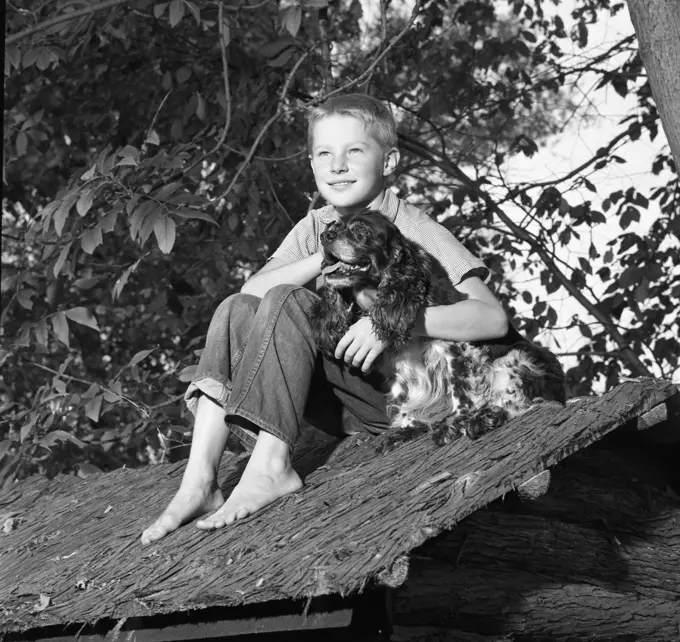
{"x": 339, "y": 164}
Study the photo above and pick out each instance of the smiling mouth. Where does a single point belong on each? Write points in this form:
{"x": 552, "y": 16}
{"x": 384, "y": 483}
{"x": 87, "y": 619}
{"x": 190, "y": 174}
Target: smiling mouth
{"x": 341, "y": 183}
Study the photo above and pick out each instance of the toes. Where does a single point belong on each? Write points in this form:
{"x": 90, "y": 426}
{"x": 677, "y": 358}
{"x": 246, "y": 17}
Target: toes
{"x": 154, "y": 533}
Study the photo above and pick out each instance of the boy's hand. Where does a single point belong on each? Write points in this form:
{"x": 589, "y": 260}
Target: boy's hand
{"x": 360, "y": 347}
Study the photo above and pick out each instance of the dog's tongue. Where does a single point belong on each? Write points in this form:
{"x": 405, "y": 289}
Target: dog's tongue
{"x": 332, "y": 268}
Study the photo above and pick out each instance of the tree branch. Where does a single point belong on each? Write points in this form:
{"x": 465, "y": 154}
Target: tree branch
{"x": 227, "y": 90}
{"x": 42, "y": 26}
{"x": 369, "y": 70}
{"x": 632, "y": 359}
{"x": 267, "y": 125}
{"x": 87, "y": 383}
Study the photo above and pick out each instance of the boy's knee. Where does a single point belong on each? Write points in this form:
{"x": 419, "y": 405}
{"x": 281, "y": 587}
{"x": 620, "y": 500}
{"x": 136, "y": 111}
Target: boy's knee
{"x": 241, "y": 303}
{"x": 289, "y": 292}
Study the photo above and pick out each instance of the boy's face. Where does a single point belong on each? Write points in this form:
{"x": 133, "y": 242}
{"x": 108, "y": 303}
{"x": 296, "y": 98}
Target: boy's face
{"x": 349, "y": 164}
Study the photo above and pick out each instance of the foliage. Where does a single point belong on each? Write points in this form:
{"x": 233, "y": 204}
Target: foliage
{"x": 155, "y": 155}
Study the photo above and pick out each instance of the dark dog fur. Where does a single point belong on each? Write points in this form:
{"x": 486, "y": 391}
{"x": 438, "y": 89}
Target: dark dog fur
{"x": 449, "y": 388}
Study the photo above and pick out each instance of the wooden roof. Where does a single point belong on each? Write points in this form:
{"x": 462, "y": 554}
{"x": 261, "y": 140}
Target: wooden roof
{"x": 73, "y": 554}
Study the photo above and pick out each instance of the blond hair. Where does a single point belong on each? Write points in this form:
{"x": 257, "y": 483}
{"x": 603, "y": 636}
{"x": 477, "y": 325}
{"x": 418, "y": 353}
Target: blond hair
{"x": 376, "y": 118}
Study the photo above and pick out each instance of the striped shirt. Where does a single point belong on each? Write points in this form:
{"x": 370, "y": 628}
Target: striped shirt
{"x": 305, "y": 238}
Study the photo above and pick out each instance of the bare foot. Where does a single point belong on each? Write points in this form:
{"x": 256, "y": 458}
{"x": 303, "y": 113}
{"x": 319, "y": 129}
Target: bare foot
{"x": 191, "y": 500}
{"x": 257, "y": 488}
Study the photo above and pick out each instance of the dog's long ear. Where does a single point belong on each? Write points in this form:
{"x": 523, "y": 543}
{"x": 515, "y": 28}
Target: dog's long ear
{"x": 330, "y": 317}
{"x": 402, "y": 293}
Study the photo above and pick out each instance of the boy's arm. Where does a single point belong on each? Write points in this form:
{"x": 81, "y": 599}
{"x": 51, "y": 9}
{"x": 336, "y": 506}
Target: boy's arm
{"x": 277, "y": 272}
{"x": 480, "y": 317}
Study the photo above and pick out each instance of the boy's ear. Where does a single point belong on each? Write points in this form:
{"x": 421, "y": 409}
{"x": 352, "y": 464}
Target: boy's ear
{"x": 391, "y": 161}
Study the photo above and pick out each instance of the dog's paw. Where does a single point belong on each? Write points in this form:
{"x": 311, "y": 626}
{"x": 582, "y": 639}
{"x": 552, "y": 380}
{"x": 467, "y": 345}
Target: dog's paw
{"x": 400, "y": 435}
{"x": 443, "y": 434}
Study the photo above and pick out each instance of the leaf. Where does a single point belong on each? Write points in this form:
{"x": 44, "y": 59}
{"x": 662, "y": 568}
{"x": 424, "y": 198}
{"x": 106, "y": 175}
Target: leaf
{"x": 630, "y": 215}
{"x": 63, "y": 255}
{"x": 21, "y": 143}
{"x": 132, "y": 204}
{"x": 149, "y": 223}
{"x": 5, "y": 446}
{"x": 225, "y": 34}
{"x": 83, "y": 316}
{"x": 281, "y": 59}
{"x": 291, "y": 19}
{"x": 93, "y": 408}
{"x": 138, "y": 217}
{"x": 89, "y": 174}
{"x": 85, "y": 202}
{"x": 115, "y": 392}
{"x": 86, "y": 283}
{"x": 159, "y": 9}
{"x": 166, "y": 191}
{"x": 187, "y": 374}
{"x": 91, "y": 391}
{"x": 276, "y": 47}
{"x": 60, "y": 435}
{"x": 585, "y": 330}
{"x": 129, "y": 150}
{"x": 61, "y": 214}
{"x": 108, "y": 223}
{"x": 140, "y": 356}
{"x": 23, "y": 298}
{"x": 13, "y": 55}
{"x": 185, "y": 212}
{"x": 196, "y": 12}
{"x": 597, "y": 217}
{"x": 128, "y": 160}
{"x": 92, "y": 239}
{"x": 200, "y": 106}
{"x": 177, "y": 8}
{"x": 164, "y": 229}
{"x": 30, "y": 57}
{"x": 152, "y": 138}
{"x": 123, "y": 279}
{"x": 27, "y": 428}
{"x": 41, "y": 333}
{"x": 60, "y": 327}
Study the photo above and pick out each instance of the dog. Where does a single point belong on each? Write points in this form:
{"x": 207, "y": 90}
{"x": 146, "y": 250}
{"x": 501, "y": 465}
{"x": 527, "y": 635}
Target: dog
{"x": 448, "y": 388}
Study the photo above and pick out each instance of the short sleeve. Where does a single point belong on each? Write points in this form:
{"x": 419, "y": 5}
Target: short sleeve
{"x": 302, "y": 241}
{"x": 458, "y": 262}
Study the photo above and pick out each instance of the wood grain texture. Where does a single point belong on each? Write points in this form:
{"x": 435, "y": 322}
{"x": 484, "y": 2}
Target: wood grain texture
{"x": 596, "y": 559}
{"x": 77, "y": 541}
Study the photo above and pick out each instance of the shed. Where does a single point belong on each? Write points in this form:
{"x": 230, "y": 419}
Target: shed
{"x": 420, "y": 543}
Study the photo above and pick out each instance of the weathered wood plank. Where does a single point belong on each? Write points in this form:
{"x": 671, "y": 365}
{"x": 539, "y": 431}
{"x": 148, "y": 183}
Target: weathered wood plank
{"x": 76, "y": 541}
{"x": 597, "y": 558}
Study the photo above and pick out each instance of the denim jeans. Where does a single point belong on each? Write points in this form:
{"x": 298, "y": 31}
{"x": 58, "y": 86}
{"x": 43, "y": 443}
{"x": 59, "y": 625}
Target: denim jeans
{"x": 261, "y": 364}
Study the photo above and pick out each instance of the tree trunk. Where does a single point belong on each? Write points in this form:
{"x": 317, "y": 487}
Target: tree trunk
{"x": 657, "y": 25}
{"x": 596, "y": 558}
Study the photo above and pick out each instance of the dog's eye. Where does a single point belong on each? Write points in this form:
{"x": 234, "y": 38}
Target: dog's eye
{"x": 360, "y": 232}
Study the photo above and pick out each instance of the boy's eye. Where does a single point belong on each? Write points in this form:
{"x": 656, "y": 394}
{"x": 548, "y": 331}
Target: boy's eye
{"x": 355, "y": 149}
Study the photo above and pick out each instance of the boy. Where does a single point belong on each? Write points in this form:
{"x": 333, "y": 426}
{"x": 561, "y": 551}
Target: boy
{"x": 260, "y": 372}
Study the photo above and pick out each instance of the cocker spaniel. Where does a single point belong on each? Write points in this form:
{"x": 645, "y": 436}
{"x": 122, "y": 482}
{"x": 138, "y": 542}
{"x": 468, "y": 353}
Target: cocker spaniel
{"x": 449, "y": 388}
